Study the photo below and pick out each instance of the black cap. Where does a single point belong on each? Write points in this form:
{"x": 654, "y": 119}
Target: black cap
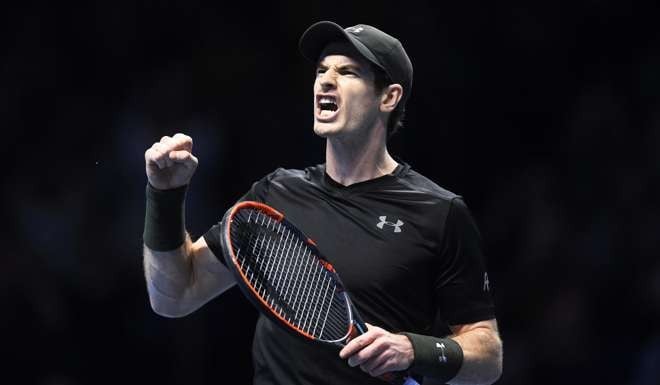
{"x": 375, "y": 45}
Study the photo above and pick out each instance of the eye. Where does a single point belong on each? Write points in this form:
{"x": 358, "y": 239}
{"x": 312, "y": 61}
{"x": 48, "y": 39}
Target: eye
{"x": 320, "y": 71}
{"x": 348, "y": 72}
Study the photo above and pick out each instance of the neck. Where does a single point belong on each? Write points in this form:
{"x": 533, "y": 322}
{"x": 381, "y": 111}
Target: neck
{"x": 353, "y": 160}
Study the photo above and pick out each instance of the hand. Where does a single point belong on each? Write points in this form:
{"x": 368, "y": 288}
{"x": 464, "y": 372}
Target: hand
{"x": 378, "y": 351}
{"x": 170, "y": 163}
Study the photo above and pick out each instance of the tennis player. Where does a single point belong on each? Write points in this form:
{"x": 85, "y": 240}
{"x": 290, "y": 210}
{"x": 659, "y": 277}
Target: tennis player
{"x": 408, "y": 250}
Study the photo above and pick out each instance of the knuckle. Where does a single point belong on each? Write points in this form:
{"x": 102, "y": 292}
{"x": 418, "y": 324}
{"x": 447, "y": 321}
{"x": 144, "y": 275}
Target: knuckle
{"x": 151, "y": 154}
{"x": 376, "y": 344}
{"x": 182, "y": 137}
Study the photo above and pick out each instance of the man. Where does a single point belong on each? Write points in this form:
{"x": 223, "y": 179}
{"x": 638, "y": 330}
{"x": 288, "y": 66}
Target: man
{"x": 407, "y": 250}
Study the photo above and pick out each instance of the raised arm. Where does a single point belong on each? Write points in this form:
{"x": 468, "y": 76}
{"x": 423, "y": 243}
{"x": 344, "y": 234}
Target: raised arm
{"x": 181, "y": 275}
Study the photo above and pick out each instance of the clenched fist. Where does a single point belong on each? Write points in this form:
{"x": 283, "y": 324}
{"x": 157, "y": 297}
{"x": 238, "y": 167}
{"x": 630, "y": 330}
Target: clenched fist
{"x": 170, "y": 162}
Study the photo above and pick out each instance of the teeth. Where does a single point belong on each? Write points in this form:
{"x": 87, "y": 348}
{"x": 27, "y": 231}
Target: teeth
{"x": 327, "y": 100}
{"x": 327, "y": 103}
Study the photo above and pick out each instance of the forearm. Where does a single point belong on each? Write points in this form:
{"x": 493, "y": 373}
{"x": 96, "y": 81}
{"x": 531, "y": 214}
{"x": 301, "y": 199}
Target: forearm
{"x": 167, "y": 250}
{"x": 471, "y": 355}
{"x": 482, "y": 357}
{"x": 181, "y": 275}
{"x": 169, "y": 275}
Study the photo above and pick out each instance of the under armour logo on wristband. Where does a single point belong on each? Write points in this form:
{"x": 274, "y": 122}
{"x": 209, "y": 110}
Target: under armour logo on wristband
{"x": 442, "y": 357}
{"x": 384, "y": 221}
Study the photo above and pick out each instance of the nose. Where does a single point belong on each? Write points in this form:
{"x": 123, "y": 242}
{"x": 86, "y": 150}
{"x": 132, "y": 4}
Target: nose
{"x": 328, "y": 80}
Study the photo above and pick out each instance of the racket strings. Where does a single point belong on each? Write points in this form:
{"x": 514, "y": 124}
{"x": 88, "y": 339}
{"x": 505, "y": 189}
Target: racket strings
{"x": 287, "y": 276}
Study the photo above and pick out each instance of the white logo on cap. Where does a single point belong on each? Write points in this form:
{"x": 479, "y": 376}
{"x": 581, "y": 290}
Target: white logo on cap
{"x": 355, "y": 29}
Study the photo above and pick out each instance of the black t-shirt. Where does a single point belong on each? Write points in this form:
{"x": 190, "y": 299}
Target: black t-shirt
{"x": 407, "y": 250}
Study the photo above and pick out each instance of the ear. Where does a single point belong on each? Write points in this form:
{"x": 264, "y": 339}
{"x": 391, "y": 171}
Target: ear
{"x": 390, "y": 98}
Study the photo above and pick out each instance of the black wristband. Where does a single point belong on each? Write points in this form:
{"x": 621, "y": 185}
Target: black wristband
{"x": 438, "y": 358}
{"x": 164, "y": 227}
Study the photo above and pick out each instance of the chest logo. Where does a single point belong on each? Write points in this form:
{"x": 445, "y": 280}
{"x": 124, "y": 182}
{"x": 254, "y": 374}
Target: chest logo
{"x": 384, "y": 221}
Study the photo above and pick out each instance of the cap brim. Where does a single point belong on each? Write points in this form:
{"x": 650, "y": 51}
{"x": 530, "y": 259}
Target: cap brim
{"x": 318, "y": 35}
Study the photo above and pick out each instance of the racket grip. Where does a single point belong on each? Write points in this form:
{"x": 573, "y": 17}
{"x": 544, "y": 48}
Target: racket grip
{"x": 394, "y": 378}
{"x": 410, "y": 381}
{"x": 398, "y": 378}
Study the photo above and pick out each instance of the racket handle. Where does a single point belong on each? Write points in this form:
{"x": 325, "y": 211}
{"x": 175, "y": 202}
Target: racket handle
{"x": 410, "y": 381}
{"x": 394, "y": 378}
{"x": 398, "y": 378}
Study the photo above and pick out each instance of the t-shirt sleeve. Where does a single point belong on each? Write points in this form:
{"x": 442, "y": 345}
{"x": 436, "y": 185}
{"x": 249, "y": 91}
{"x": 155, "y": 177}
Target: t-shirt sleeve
{"x": 462, "y": 287}
{"x": 258, "y": 192}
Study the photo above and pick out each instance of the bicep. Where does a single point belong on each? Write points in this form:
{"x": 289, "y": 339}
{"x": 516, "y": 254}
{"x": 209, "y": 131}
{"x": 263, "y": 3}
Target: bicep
{"x": 210, "y": 276}
{"x": 182, "y": 280}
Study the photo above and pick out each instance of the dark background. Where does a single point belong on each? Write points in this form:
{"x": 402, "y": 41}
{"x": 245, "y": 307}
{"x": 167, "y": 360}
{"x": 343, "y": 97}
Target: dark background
{"x": 544, "y": 116}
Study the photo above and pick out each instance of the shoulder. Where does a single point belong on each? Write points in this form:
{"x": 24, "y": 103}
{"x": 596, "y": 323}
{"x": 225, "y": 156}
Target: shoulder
{"x": 418, "y": 183}
{"x": 286, "y": 179}
{"x": 451, "y": 204}
{"x": 284, "y": 175}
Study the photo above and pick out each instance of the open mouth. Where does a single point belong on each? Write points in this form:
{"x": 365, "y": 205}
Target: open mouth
{"x": 327, "y": 103}
{"x": 326, "y": 106}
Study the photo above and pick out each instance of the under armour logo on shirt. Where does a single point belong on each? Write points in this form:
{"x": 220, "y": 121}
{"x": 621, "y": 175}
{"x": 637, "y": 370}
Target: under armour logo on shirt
{"x": 384, "y": 221}
{"x": 486, "y": 282}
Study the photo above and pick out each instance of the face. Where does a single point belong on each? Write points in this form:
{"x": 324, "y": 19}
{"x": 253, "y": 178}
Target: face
{"x": 345, "y": 101}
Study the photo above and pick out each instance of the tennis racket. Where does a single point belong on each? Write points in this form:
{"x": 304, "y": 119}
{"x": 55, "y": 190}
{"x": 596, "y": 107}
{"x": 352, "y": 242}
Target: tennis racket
{"x": 281, "y": 271}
